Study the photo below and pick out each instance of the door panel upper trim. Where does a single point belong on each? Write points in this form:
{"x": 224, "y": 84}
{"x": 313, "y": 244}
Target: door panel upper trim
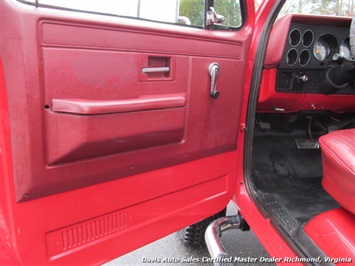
{"x": 55, "y": 34}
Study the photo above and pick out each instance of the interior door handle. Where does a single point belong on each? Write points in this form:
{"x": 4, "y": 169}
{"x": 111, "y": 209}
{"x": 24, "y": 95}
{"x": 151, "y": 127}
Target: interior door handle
{"x": 155, "y": 69}
{"x": 213, "y": 70}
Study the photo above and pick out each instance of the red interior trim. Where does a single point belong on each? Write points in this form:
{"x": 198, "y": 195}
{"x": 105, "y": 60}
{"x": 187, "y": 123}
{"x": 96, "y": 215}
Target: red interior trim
{"x": 143, "y": 103}
{"x": 333, "y": 232}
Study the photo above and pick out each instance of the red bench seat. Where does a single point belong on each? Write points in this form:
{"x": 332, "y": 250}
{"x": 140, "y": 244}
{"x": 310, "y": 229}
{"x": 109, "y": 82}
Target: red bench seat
{"x": 338, "y": 159}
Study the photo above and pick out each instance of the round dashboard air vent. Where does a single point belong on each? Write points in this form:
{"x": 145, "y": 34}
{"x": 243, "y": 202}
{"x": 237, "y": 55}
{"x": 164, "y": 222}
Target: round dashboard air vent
{"x": 304, "y": 57}
{"x": 295, "y": 37}
{"x": 291, "y": 57}
{"x": 307, "y": 38}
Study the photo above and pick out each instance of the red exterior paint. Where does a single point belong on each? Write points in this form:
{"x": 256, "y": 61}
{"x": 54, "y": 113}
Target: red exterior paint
{"x": 262, "y": 227}
{"x": 333, "y": 232}
{"x": 8, "y": 253}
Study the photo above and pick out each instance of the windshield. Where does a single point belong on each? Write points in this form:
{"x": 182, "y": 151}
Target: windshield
{"x": 317, "y": 7}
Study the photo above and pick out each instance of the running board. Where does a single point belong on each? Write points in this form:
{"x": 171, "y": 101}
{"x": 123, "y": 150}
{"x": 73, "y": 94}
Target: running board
{"x": 218, "y": 253}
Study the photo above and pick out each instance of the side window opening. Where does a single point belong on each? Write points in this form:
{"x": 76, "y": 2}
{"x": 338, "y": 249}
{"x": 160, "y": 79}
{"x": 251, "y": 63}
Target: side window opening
{"x": 231, "y": 10}
{"x": 194, "y": 11}
{"x": 182, "y": 12}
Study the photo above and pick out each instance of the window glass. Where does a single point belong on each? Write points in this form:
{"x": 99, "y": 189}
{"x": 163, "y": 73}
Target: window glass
{"x": 194, "y": 11}
{"x": 231, "y": 11}
{"x": 159, "y": 10}
{"x": 186, "y": 12}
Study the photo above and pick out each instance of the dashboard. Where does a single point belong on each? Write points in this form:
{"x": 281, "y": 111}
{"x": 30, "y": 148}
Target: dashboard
{"x": 312, "y": 46}
{"x": 299, "y": 53}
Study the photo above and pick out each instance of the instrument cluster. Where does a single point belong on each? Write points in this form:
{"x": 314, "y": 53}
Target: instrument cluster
{"x": 311, "y": 46}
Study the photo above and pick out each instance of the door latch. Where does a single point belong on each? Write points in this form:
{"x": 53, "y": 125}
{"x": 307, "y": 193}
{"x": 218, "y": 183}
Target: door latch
{"x": 213, "y": 70}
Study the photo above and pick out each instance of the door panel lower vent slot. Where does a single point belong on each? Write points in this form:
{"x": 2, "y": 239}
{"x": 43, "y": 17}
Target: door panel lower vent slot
{"x": 75, "y": 236}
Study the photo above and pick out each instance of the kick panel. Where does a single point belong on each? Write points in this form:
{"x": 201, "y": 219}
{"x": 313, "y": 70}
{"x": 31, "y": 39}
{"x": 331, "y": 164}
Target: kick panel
{"x": 73, "y": 238}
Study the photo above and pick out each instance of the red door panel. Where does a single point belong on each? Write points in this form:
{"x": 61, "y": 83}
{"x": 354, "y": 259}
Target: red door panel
{"x": 101, "y": 156}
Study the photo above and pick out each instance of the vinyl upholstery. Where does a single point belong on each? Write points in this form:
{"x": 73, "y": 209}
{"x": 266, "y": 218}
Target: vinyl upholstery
{"x": 338, "y": 159}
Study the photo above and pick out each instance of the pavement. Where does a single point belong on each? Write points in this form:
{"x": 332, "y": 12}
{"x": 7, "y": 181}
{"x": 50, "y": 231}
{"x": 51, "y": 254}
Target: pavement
{"x": 170, "y": 250}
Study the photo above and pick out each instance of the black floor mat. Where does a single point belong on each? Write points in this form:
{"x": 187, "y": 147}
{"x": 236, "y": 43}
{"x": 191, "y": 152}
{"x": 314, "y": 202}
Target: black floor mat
{"x": 290, "y": 176}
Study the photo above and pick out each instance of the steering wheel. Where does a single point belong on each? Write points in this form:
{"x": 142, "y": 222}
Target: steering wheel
{"x": 338, "y": 77}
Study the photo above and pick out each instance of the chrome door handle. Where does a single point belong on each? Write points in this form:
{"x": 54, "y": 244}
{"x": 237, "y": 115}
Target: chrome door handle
{"x": 155, "y": 69}
{"x": 213, "y": 70}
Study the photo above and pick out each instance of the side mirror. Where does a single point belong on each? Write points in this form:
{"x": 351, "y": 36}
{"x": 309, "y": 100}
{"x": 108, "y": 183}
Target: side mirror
{"x": 213, "y": 18}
